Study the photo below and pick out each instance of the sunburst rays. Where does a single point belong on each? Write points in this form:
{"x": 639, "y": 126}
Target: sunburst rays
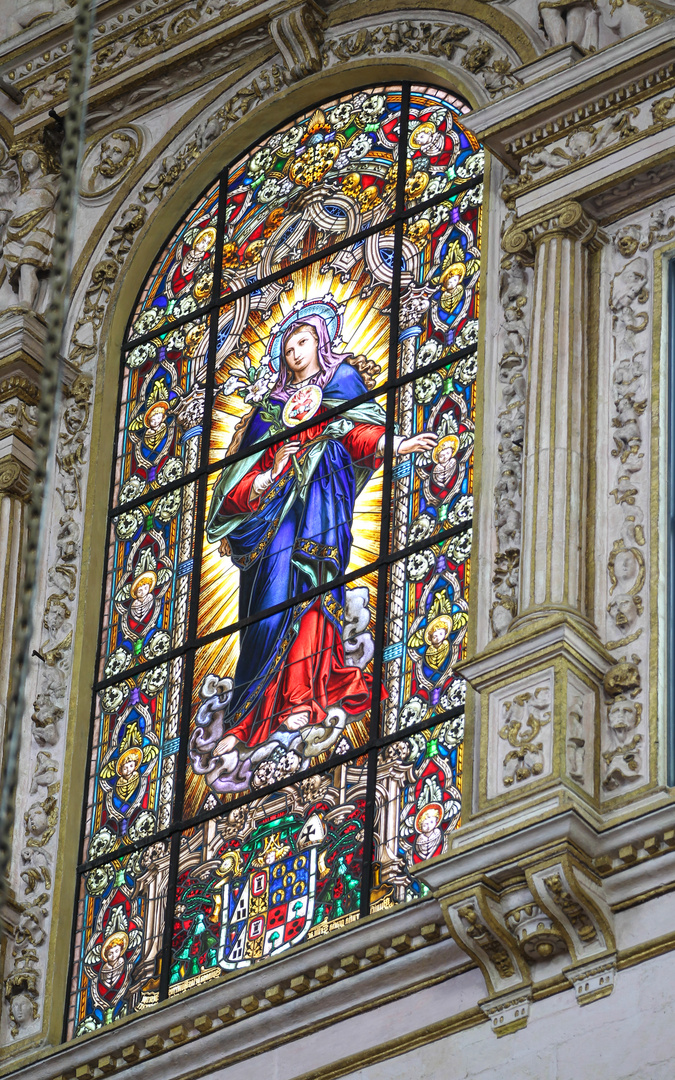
{"x": 365, "y": 331}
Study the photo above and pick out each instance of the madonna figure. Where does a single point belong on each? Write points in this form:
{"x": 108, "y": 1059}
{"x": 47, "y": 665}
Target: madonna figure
{"x": 285, "y": 515}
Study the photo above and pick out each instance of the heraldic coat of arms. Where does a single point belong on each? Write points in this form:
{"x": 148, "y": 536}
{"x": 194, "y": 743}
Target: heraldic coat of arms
{"x": 268, "y": 903}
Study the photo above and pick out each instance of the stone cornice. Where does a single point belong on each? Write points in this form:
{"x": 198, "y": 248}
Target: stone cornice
{"x": 569, "y": 219}
{"x": 131, "y": 46}
{"x": 388, "y": 956}
{"x": 135, "y": 42}
{"x": 611, "y": 79}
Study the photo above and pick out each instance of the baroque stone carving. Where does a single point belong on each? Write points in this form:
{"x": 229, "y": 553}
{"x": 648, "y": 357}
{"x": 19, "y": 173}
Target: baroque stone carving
{"x": 515, "y": 284}
{"x": 571, "y": 907}
{"x": 570, "y": 218}
{"x": 431, "y": 39}
{"x": 132, "y": 35}
{"x": 29, "y": 230}
{"x": 41, "y": 816}
{"x": 514, "y": 923}
{"x": 581, "y": 144}
{"x": 108, "y": 161}
{"x": 486, "y": 940}
{"x": 576, "y": 741}
{"x": 594, "y": 129}
{"x": 623, "y": 738}
{"x": 21, "y": 989}
{"x": 298, "y": 35}
{"x": 25, "y": 13}
{"x": 622, "y": 757}
{"x": 626, "y": 563}
{"x": 565, "y": 21}
{"x": 523, "y": 720}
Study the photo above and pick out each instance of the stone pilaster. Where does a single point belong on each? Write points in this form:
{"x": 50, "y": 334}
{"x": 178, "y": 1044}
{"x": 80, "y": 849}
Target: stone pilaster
{"x": 540, "y": 684}
{"x": 554, "y": 516}
{"x": 21, "y": 342}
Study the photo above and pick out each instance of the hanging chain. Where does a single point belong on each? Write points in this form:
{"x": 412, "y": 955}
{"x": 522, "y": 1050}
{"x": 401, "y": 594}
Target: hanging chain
{"x": 48, "y": 416}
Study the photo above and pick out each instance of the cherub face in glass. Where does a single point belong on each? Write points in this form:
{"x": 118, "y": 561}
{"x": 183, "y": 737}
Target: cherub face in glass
{"x": 129, "y": 764}
{"x": 113, "y": 952}
{"x": 204, "y": 241}
{"x": 426, "y": 139}
{"x": 438, "y": 635}
{"x": 445, "y": 454}
{"x": 154, "y": 418}
{"x": 428, "y": 820}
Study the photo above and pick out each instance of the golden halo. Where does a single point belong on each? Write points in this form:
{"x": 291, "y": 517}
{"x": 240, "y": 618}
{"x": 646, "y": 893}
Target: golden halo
{"x": 208, "y": 231}
{"x": 132, "y": 752}
{"x": 447, "y": 440}
{"x": 149, "y": 577}
{"x": 426, "y": 126}
{"x": 444, "y": 621}
{"x": 436, "y": 807}
{"x": 163, "y": 405}
{"x": 120, "y": 937}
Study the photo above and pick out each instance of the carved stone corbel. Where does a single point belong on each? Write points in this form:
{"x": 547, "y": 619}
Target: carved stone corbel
{"x": 539, "y": 918}
{"x": 298, "y": 34}
{"x": 475, "y": 921}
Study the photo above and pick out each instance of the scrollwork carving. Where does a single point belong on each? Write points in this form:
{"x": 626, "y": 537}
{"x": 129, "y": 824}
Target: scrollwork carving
{"x": 298, "y": 35}
{"x": 496, "y": 73}
{"x": 523, "y": 720}
{"x": 477, "y": 932}
{"x": 627, "y": 561}
{"x": 41, "y": 816}
{"x": 514, "y": 296}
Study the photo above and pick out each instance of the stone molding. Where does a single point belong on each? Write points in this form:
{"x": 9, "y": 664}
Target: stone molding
{"x": 298, "y": 35}
{"x": 529, "y": 918}
{"x": 525, "y": 233}
{"x": 132, "y": 45}
{"x": 593, "y": 89}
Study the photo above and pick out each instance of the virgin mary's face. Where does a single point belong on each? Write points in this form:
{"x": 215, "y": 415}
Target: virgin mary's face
{"x": 301, "y": 355}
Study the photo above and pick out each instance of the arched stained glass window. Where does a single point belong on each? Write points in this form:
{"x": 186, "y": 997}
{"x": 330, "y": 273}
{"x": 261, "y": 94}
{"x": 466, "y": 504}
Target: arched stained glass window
{"x": 277, "y": 724}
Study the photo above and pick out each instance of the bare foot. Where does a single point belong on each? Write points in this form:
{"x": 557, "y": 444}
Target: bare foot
{"x": 225, "y": 745}
{"x": 296, "y": 721}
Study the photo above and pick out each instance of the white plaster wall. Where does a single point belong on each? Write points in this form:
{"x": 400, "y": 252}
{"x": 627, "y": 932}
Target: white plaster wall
{"x": 627, "y": 1036}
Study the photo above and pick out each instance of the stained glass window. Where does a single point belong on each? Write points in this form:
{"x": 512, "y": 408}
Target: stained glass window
{"x": 277, "y": 723}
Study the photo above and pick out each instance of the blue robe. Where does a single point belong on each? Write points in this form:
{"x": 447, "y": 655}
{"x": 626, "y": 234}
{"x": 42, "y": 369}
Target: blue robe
{"x": 299, "y": 536}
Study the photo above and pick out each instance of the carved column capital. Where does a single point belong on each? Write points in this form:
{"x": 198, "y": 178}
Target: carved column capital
{"x": 298, "y": 34}
{"x": 15, "y": 478}
{"x": 567, "y": 219}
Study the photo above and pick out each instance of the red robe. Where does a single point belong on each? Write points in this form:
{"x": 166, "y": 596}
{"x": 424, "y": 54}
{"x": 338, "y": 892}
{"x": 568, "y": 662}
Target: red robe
{"x": 313, "y": 676}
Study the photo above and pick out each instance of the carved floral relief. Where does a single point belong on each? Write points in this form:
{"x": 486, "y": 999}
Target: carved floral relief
{"x": 625, "y": 590}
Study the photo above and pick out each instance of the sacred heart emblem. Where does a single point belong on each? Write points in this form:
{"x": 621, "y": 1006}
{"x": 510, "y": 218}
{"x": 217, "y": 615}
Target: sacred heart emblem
{"x": 302, "y": 405}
